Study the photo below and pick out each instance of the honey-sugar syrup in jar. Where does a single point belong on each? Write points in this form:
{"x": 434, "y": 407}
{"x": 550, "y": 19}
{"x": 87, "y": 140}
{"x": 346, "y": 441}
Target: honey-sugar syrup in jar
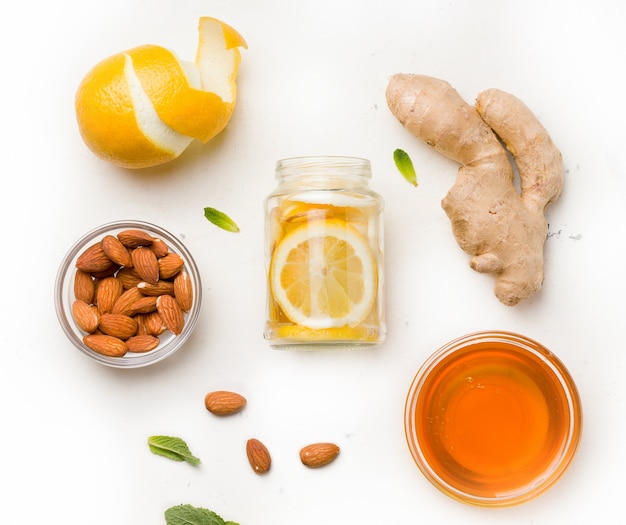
{"x": 324, "y": 253}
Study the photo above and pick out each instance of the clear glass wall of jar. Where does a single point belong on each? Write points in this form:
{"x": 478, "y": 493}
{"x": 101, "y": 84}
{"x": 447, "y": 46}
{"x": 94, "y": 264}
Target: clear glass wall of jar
{"x": 324, "y": 253}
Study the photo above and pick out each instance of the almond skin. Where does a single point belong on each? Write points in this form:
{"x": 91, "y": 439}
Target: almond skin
{"x": 258, "y": 456}
{"x": 134, "y": 238}
{"x": 224, "y": 403}
{"x": 86, "y": 316}
{"x": 116, "y": 251}
{"x": 108, "y": 292}
{"x": 183, "y": 291}
{"x": 159, "y": 248}
{"x": 116, "y": 325}
{"x": 150, "y": 324}
{"x": 93, "y": 259}
{"x": 145, "y": 305}
{"x": 146, "y": 264}
{"x": 318, "y": 454}
{"x": 106, "y": 345}
{"x": 142, "y": 343}
{"x": 160, "y": 288}
{"x": 84, "y": 287}
{"x": 128, "y": 277}
{"x": 170, "y": 265}
{"x": 124, "y": 305}
{"x": 171, "y": 314}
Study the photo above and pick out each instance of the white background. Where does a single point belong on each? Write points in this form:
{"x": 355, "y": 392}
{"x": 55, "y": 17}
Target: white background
{"x": 73, "y": 437}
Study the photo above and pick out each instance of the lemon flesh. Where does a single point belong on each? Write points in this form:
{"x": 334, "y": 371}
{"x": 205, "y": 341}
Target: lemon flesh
{"x": 323, "y": 275}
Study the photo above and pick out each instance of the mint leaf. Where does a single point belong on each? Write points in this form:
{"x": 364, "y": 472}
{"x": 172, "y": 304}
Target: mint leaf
{"x": 189, "y": 515}
{"x": 172, "y": 448}
{"x": 405, "y": 166}
{"x": 221, "y": 220}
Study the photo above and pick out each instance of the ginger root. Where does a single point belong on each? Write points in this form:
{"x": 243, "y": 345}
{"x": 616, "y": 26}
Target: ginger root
{"x": 503, "y": 229}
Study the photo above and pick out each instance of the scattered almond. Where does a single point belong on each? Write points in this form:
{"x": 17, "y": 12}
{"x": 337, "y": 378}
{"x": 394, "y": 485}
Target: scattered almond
{"x": 258, "y": 456}
{"x": 118, "y": 283}
{"x": 224, "y": 403}
{"x": 318, "y": 454}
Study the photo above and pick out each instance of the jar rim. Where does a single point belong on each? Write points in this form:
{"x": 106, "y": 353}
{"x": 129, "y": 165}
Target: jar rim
{"x": 327, "y": 164}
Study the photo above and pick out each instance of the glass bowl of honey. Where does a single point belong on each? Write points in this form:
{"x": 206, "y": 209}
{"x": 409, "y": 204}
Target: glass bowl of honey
{"x": 493, "y": 419}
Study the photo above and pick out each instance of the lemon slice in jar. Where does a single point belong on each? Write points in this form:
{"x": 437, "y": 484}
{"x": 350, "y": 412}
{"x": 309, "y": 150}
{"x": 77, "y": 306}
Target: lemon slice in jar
{"x": 323, "y": 275}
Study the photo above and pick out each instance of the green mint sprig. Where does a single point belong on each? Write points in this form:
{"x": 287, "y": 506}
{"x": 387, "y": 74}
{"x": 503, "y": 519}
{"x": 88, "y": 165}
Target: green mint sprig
{"x": 221, "y": 220}
{"x": 405, "y": 166}
{"x": 189, "y": 515}
{"x": 173, "y": 448}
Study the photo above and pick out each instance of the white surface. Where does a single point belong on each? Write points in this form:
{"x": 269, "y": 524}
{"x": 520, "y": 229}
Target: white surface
{"x": 74, "y": 433}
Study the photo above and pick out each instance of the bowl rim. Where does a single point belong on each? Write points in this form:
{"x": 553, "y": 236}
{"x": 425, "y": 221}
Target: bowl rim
{"x": 65, "y": 278}
{"x": 564, "y": 380}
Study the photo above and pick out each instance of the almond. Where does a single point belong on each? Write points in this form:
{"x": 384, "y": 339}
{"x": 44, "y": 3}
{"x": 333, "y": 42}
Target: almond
{"x": 144, "y": 305}
{"x": 224, "y": 403}
{"x": 107, "y": 272}
{"x": 108, "y": 292}
{"x": 142, "y": 343}
{"x": 106, "y": 345}
{"x": 93, "y": 259}
{"x": 129, "y": 277}
{"x": 134, "y": 238}
{"x": 85, "y": 315}
{"x": 170, "y": 265}
{"x": 150, "y": 324}
{"x": 146, "y": 264}
{"x": 160, "y": 288}
{"x": 183, "y": 291}
{"x": 84, "y": 286}
{"x": 159, "y": 248}
{"x": 124, "y": 305}
{"x": 258, "y": 456}
{"x": 116, "y": 251}
{"x": 120, "y": 326}
{"x": 318, "y": 454}
{"x": 171, "y": 314}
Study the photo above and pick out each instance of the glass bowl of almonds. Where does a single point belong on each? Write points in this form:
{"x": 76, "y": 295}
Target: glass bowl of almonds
{"x": 128, "y": 294}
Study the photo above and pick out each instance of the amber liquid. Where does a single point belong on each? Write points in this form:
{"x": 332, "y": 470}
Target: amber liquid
{"x": 491, "y": 420}
{"x": 289, "y": 213}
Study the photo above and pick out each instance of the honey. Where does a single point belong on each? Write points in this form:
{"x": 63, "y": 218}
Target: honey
{"x": 493, "y": 419}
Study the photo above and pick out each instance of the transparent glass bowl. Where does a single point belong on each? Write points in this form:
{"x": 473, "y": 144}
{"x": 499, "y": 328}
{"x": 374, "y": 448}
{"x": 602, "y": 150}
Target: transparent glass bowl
{"x": 64, "y": 296}
{"x": 493, "y": 419}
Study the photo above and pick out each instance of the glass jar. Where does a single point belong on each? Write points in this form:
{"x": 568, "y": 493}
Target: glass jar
{"x": 324, "y": 255}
